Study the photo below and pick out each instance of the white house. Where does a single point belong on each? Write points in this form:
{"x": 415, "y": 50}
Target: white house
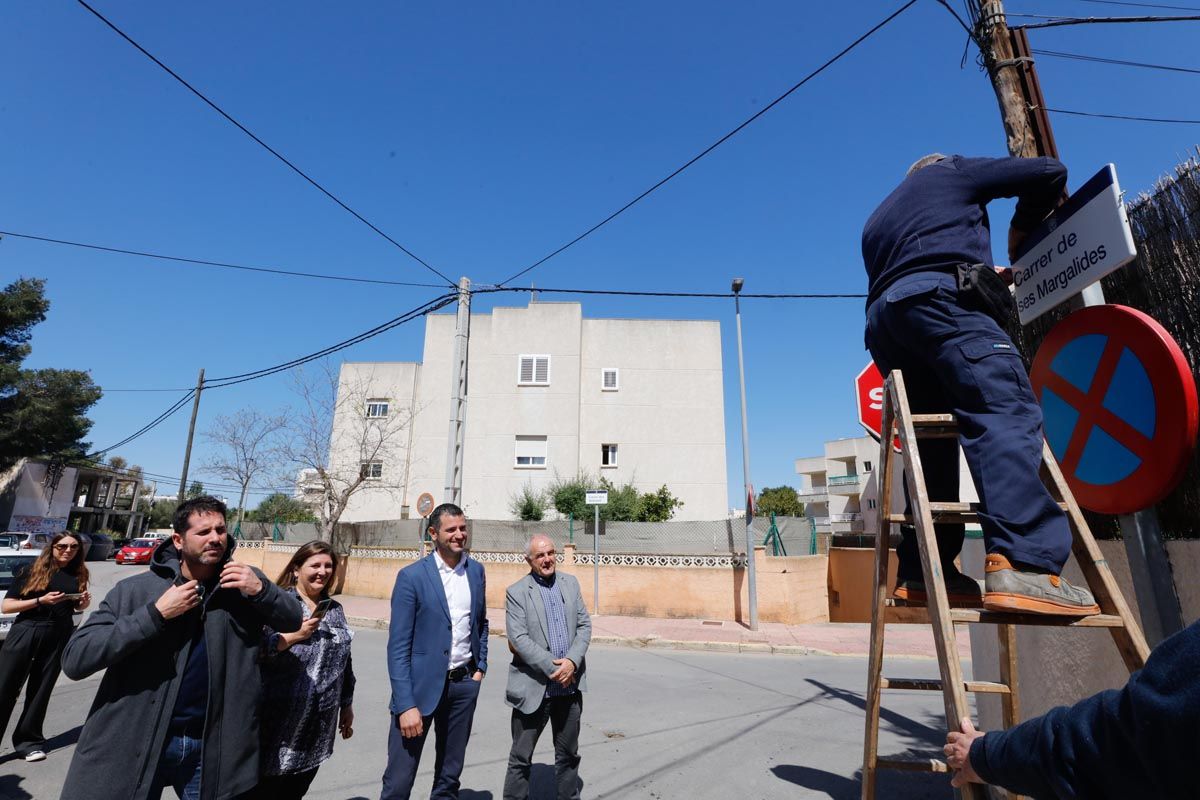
{"x": 550, "y": 394}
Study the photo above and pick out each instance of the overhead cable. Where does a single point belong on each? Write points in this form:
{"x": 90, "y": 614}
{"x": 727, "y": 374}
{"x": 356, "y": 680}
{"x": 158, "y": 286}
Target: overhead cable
{"x": 1117, "y": 61}
{"x": 711, "y": 147}
{"x": 1055, "y": 22}
{"x": 1142, "y": 5}
{"x": 161, "y": 418}
{"x": 263, "y": 144}
{"x": 631, "y": 293}
{"x": 1123, "y": 117}
{"x": 222, "y": 264}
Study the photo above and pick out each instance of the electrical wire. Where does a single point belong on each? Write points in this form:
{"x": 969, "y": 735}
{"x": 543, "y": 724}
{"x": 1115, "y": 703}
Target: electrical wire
{"x": 154, "y": 423}
{"x": 222, "y": 264}
{"x": 712, "y": 295}
{"x": 263, "y": 144}
{"x": 1055, "y": 22}
{"x": 711, "y": 147}
{"x": 1142, "y": 5}
{"x": 1101, "y": 60}
{"x": 1123, "y": 117}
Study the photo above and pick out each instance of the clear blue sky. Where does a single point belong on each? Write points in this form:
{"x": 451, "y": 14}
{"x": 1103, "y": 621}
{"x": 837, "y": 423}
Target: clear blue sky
{"x": 483, "y": 136}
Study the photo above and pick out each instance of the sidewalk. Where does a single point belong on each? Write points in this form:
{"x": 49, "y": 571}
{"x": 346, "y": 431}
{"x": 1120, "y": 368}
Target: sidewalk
{"x": 838, "y": 639}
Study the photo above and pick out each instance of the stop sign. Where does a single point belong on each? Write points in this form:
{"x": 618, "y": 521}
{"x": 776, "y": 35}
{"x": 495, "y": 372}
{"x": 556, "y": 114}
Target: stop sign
{"x": 868, "y": 396}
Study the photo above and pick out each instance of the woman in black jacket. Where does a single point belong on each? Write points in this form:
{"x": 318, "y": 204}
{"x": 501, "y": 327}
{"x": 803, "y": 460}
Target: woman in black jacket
{"x": 45, "y": 597}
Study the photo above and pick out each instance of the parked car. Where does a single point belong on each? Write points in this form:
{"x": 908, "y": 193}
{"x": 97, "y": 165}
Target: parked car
{"x": 10, "y": 562}
{"x": 36, "y": 542}
{"x": 100, "y": 549}
{"x": 137, "y": 552}
{"x": 118, "y": 542}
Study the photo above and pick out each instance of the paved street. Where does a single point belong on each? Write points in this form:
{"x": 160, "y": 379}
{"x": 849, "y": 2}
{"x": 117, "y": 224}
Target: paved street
{"x": 657, "y": 724}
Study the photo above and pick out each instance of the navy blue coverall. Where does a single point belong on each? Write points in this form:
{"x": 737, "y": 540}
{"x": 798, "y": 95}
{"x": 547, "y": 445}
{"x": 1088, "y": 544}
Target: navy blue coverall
{"x": 957, "y": 360}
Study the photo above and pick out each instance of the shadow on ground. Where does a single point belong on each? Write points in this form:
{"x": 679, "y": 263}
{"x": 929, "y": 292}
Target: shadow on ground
{"x": 64, "y": 739}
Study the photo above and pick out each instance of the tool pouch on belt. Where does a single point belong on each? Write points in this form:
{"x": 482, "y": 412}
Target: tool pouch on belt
{"x": 980, "y": 288}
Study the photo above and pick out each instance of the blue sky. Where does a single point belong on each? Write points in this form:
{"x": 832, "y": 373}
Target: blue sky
{"x": 482, "y": 136}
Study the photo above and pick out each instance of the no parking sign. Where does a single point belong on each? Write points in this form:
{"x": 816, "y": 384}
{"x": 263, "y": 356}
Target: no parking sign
{"x": 1120, "y": 407}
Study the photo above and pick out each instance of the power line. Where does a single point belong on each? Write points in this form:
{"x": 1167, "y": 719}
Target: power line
{"x": 1101, "y": 60}
{"x": 713, "y": 295}
{"x": 263, "y": 144}
{"x": 161, "y": 418}
{"x": 712, "y": 146}
{"x": 1142, "y": 5}
{"x": 1055, "y": 22}
{"x": 1123, "y": 117}
{"x": 222, "y": 264}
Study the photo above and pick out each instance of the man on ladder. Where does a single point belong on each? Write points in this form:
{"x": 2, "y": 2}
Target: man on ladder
{"x": 935, "y": 310}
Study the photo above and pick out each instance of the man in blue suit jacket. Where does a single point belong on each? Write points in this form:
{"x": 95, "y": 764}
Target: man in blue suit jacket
{"x": 437, "y": 657}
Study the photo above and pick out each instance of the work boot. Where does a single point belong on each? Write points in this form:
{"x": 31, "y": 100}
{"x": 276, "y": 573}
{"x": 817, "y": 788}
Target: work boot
{"x": 962, "y": 591}
{"x": 1028, "y": 591}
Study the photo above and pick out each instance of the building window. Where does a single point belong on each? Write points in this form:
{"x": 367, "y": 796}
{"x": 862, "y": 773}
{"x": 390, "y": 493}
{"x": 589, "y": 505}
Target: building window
{"x": 530, "y": 452}
{"x": 372, "y": 470}
{"x": 870, "y": 503}
{"x": 377, "y": 409}
{"x": 608, "y": 380}
{"x": 866, "y": 466}
{"x": 533, "y": 370}
{"x": 608, "y": 455}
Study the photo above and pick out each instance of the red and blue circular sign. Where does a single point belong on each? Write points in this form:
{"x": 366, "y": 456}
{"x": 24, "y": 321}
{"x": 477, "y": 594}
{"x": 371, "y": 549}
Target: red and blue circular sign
{"x": 1120, "y": 409}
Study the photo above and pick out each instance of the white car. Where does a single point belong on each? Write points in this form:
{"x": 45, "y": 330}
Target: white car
{"x": 10, "y": 562}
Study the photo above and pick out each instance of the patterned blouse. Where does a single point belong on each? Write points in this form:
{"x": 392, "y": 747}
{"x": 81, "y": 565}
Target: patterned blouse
{"x": 304, "y": 689}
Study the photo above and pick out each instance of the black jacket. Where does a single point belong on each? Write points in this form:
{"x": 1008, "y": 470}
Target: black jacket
{"x": 1139, "y": 741}
{"x": 144, "y": 656}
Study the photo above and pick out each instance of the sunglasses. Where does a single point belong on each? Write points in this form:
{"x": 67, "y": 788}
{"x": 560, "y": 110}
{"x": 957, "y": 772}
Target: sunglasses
{"x": 63, "y": 548}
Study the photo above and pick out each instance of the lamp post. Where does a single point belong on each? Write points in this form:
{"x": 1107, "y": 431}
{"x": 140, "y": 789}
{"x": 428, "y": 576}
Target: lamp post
{"x": 748, "y": 490}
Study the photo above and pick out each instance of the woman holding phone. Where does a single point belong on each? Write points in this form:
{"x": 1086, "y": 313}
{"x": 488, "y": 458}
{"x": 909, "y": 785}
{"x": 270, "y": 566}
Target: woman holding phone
{"x": 45, "y": 597}
{"x": 308, "y": 679}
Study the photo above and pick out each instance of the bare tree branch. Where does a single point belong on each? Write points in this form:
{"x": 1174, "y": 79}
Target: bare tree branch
{"x": 248, "y": 443}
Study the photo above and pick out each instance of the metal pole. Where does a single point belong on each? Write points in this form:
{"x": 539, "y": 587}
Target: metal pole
{"x": 458, "y": 396}
{"x": 187, "y": 453}
{"x": 748, "y": 491}
{"x": 596, "y": 564}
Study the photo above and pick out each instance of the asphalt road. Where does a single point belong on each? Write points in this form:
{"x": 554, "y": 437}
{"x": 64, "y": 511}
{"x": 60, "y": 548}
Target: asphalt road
{"x": 656, "y": 724}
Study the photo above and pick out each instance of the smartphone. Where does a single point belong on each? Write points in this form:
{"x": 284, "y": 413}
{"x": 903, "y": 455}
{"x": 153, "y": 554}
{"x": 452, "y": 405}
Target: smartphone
{"x": 323, "y": 608}
{"x": 74, "y": 596}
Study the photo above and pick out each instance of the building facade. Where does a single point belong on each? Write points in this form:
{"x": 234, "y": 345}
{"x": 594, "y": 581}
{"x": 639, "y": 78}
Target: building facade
{"x": 40, "y": 497}
{"x": 550, "y": 395}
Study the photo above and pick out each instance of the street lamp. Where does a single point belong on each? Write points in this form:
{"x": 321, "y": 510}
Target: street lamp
{"x": 748, "y": 490}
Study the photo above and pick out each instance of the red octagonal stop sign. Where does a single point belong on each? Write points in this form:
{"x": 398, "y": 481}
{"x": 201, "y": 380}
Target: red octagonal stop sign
{"x": 868, "y": 397}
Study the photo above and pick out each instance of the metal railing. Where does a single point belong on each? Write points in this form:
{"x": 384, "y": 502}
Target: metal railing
{"x": 844, "y": 480}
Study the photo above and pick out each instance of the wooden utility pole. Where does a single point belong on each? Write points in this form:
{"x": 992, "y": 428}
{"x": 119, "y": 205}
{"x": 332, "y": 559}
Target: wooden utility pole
{"x": 187, "y": 453}
{"x": 1008, "y": 73}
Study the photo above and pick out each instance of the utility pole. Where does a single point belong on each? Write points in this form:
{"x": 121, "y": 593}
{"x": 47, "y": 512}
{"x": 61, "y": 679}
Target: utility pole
{"x": 187, "y": 453}
{"x": 748, "y": 489}
{"x": 1010, "y": 65}
{"x": 458, "y": 396}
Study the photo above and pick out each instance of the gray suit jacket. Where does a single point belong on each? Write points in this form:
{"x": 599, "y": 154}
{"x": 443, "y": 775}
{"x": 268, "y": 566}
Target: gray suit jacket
{"x": 529, "y": 638}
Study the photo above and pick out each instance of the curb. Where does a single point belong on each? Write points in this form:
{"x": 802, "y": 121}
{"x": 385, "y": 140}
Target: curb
{"x": 656, "y": 643}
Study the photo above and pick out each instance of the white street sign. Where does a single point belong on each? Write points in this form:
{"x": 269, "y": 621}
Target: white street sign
{"x": 1084, "y": 240}
{"x": 597, "y": 497}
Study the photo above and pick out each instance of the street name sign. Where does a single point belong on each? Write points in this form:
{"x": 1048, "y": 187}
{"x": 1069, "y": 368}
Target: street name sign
{"x": 1120, "y": 408}
{"x": 1082, "y": 241}
{"x": 596, "y": 497}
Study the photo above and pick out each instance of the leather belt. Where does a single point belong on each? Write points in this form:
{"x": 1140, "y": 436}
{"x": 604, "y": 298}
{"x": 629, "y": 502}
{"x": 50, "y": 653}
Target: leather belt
{"x": 458, "y": 673}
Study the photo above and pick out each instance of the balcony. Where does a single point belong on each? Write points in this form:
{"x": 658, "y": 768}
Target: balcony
{"x": 813, "y": 494}
{"x": 846, "y": 484}
{"x": 822, "y": 524}
{"x": 846, "y": 523}
{"x": 849, "y": 517}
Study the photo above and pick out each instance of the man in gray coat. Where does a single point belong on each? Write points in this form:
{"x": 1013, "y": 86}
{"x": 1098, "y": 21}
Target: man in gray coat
{"x": 178, "y": 704}
{"x": 548, "y": 630}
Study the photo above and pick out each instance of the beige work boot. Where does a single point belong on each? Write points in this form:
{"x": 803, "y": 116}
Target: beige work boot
{"x": 1010, "y": 590}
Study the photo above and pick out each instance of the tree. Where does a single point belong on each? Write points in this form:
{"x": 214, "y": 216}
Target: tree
{"x": 162, "y": 514}
{"x": 360, "y": 453}
{"x": 281, "y": 507}
{"x": 194, "y": 489}
{"x": 658, "y": 506}
{"x": 569, "y": 495}
{"x": 42, "y": 411}
{"x": 247, "y": 449}
{"x": 781, "y": 500}
{"x": 529, "y": 505}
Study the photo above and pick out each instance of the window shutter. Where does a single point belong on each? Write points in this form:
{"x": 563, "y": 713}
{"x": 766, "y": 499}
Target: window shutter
{"x": 610, "y": 380}
{"x": 526, "y": 369}
{"x": 541, "y": 372}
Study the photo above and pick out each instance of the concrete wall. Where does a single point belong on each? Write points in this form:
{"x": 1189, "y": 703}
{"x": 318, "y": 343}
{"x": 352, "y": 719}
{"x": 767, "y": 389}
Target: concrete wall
{"x": 790, "y": 590}
{"x": 851, "y": 580}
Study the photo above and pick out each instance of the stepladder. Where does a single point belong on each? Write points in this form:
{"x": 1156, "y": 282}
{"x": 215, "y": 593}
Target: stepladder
{"x": 922, "y": 514}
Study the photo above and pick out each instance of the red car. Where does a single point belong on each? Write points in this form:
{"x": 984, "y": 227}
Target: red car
{"x": 137, "y": 552}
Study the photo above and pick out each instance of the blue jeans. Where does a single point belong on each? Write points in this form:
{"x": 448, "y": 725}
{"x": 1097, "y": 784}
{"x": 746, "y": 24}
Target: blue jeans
{"x": 179, "y": 768}
{"x": 959, "y": 361}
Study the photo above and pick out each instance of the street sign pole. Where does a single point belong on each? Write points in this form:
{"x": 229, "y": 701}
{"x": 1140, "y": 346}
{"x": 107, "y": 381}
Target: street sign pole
{"x": 596, "y": 498}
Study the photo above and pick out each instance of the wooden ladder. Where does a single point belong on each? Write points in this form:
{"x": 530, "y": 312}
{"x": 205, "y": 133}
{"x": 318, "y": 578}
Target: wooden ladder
{"x": 1115, "y": 614}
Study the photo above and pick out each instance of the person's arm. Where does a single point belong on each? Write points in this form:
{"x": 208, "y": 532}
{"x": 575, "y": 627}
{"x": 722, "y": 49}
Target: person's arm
{"x": 277, "y": 608}
{"x": 1037, "y": 183}
{"x": 113, "y": 632}
{"x": 348, "y": 684}
{"x": 516, "y": 628}
{"x": 583, "y": 629}
{"x": 482, "y": 664}
{"x": 399, "y": 646}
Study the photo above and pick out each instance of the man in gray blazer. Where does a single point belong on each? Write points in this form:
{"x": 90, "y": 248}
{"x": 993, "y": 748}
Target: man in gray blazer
{"x": 549, "y": 630}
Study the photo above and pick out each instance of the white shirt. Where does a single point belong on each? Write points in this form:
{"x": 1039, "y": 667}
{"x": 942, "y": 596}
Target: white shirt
{"x": 458, "y": 598}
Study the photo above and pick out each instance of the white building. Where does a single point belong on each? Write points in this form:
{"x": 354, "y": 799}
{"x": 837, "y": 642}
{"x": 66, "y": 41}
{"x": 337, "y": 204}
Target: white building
{"x": 550, "y": 394}
{"x": 841, "y": 495}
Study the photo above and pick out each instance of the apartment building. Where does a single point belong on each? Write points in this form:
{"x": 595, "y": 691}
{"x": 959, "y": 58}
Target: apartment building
{"x": 551, "y": 393}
